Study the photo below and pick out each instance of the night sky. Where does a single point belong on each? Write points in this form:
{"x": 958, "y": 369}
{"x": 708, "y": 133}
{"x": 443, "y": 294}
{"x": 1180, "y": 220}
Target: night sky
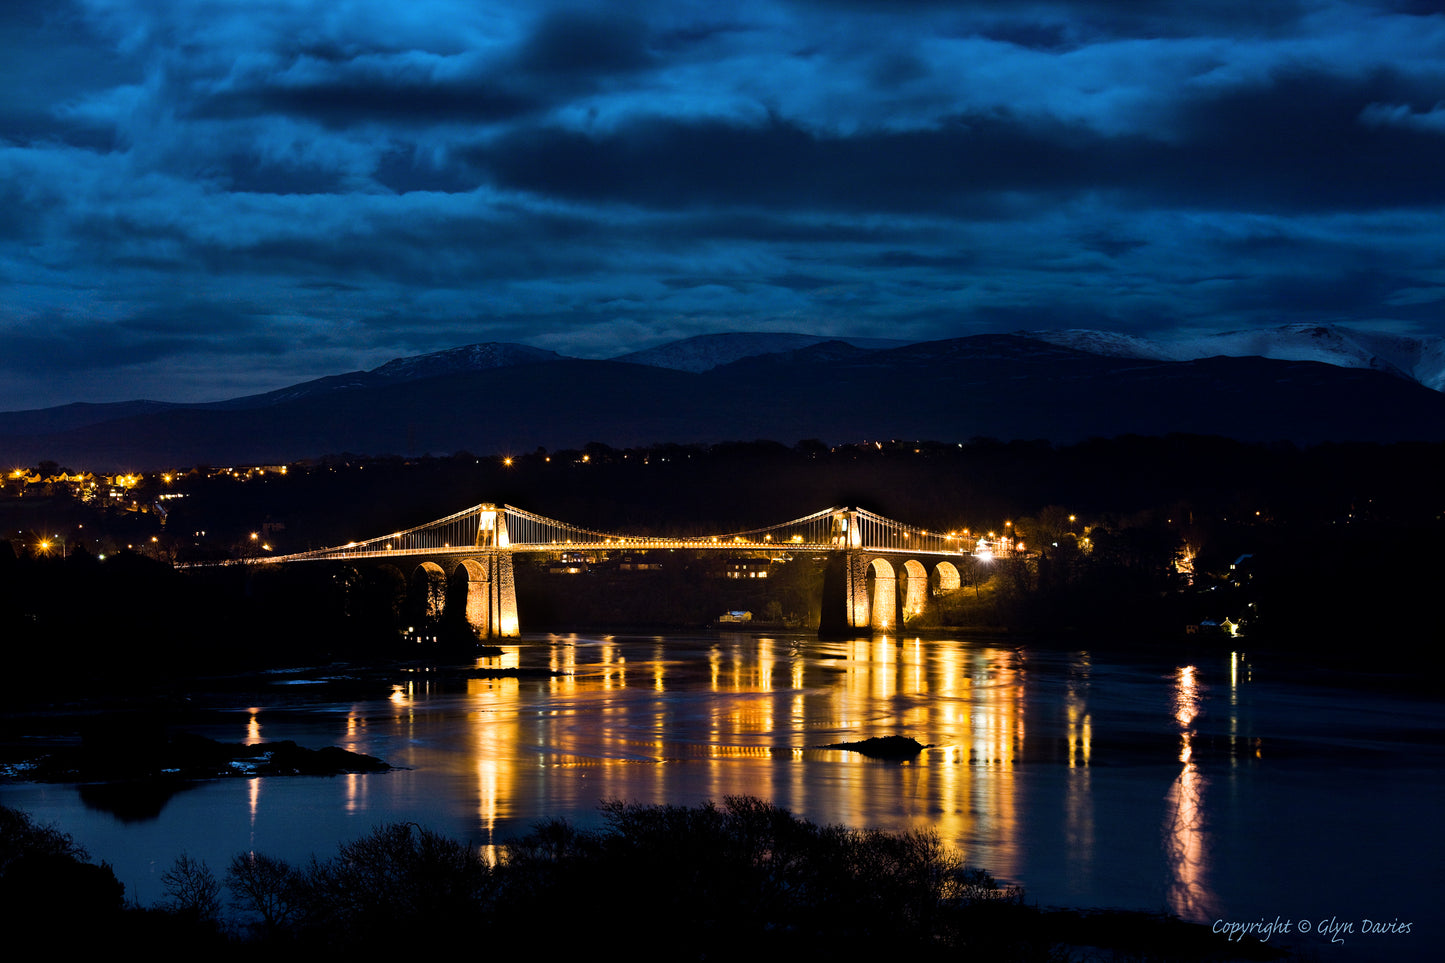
{"x": 202, "y": 198}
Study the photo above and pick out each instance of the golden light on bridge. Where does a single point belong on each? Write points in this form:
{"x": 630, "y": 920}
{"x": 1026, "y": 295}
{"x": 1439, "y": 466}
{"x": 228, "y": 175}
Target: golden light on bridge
{"x": 490, "y": 578}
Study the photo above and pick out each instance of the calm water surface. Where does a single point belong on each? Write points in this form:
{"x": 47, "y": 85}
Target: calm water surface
{"x": 1207, "y": 787}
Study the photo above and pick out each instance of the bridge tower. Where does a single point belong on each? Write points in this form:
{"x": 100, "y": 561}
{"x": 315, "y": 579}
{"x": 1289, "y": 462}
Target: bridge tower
{"x": 851, "y": 605}
{"x": 491, "y": 607}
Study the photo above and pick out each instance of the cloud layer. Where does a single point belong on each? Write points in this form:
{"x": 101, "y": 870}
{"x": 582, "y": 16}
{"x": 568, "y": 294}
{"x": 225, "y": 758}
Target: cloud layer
{"x": 199, "y": 199}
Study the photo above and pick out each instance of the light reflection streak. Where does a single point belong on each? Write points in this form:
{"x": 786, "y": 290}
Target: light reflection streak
{"x": 1079, "y": 798}
{"x": 354, "y": 795}
{"x": 1185, "y": 839}
{"x": 1235, "y": 658}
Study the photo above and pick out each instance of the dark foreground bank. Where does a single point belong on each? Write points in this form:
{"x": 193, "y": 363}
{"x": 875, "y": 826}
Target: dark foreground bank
{"x": 677, "y": 882}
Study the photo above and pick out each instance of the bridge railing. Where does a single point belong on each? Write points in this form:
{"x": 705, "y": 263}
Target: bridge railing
{"x": 880, "y": 534}
{"x": 528, "y": 530}
{"x": 459, "y": 531}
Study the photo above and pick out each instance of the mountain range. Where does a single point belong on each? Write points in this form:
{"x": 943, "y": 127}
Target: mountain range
{"x": 1415, "y": 359}
{"x": 1304, "y": 384}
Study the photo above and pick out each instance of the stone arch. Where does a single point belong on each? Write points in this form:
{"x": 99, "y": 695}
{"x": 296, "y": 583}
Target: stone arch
{"x": 427, "y": 591}
{"x": 912, "y": 589}
{"x": 945, "y": 578}
{"x": 882, "y": 596}
{"x": 482, "y": 592}
{"x": 467, "y": 593}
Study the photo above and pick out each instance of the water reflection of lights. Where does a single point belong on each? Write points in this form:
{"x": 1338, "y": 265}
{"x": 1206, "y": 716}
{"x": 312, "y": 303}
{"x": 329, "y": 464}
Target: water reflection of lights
{"x": 630, "y": 719}
{"x": 1079, "y": 798}
{"x": 1186, "y": 695}
{"x": 1185, "y": 841}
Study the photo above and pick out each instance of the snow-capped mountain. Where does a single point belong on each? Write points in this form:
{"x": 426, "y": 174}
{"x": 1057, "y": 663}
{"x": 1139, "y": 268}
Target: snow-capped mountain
{"x": 1415, "y": 359}
{"x": 707, "y": 351}
{"x": 472, "y": 357}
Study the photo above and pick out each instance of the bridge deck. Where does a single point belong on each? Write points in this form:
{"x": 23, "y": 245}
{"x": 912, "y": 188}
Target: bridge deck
{"x": 489, "y": 527}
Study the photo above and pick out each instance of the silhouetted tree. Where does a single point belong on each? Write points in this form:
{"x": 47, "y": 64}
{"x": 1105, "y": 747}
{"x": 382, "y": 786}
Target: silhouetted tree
{"x": 192, "y": 890}
{"x": 264, "y": 889}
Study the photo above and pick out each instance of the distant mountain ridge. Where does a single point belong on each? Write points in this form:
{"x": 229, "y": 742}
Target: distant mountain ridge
{"x": 1002, "y": 386}
{"x": 1417, "y": 359}
{"x": 707, "y": 351}
{"x": 471, "y": 357}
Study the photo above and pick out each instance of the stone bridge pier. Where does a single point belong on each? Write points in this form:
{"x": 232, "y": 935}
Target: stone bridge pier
{"x": 477, "y": 589}
{"x": 865, "y": 591}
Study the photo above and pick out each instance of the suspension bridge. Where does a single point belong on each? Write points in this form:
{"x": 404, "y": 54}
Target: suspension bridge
{"x": 880, "y": 573}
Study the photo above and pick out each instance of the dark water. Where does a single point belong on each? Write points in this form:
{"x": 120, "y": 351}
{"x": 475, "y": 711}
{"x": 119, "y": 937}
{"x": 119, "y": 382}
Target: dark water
{"x": 1213, "y": 788}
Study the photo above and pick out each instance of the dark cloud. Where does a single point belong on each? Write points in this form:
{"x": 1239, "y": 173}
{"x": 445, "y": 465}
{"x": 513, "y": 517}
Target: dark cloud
{"x": 194, "y": 319}
{"x": 407, "y": 169}
{"x": 669, "y": 163}
{"x": 1153, "y": 18}
{"x": 565, "y": 57}
{"x": 359, "y": 95}
{"x": 1055, "y": 36}
{"x": 1295, "y": 142}
{"x": 251, "y": 175}
{"x": 1298, "y": 142}
{"x": 55, "y": 344}
{"x": 1110, "y": 245}
{"x": 913, "y": 259}
{"x": 588, "y": 43}
{"x": 1336, "y": 296}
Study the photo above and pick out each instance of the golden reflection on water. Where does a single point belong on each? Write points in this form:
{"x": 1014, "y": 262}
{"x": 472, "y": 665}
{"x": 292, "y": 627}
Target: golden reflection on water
{"x": 642, "y": 719}
{"x": 1186, "y": 840}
